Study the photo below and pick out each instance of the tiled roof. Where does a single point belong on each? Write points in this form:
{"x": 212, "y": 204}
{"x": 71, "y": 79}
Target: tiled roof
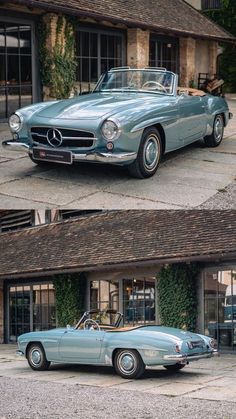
{"x": 119, "y": 237}
{"x": 173, "y": 16}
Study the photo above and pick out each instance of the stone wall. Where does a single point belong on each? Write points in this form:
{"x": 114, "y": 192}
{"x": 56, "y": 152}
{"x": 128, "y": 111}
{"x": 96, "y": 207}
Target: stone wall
{"x": 196, "y": 56}
{"x": 1, "y": 313}
{"x": 195, "y": 3}
{"x": 137, "y": 48}
{"x": 187, "y": 48}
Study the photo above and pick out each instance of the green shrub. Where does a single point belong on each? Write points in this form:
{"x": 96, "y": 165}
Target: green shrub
{"x": 177, "y": 295}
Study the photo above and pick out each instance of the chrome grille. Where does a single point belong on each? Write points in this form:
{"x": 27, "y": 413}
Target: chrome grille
{"x": 70, "y": 138}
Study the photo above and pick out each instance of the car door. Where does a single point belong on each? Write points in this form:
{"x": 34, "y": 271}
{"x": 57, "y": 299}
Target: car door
{"x": 81, "y": 345}
{"x": 192, "y": 118}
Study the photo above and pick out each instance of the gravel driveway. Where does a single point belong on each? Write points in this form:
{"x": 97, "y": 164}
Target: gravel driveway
{"x": 204, "y": 389}
{"x": 25, "y": 399}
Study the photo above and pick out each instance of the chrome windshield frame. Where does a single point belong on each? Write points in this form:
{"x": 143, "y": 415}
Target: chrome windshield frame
{"x": 130, "y": 90}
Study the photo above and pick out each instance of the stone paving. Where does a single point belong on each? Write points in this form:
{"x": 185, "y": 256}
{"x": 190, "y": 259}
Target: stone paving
{"x": 211, "y": 379}
{"x": 188, "y": 178}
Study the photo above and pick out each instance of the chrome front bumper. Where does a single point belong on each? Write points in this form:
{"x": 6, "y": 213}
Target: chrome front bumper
{"x": 94, "y": 156}
{"x": 187, "y": 358}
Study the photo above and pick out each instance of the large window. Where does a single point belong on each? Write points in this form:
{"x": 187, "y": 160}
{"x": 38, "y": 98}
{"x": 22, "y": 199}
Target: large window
{"x": 30, "y": 308}
{"x": 164, "y": 52}
{"x": 96, "y": 52}
{"x": 139, "y": 300}
{"x": 15, "y": 67}
{"x": 220, "y": 307}
{"x": 104, "y": 295}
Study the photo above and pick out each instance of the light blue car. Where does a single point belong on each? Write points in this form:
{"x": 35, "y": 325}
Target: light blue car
{"x": 97, "y": 339}
{"x": 132, "y": 118}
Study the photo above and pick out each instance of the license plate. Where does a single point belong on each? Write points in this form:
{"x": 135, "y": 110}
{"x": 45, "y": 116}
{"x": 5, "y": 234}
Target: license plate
{"x": 56, "y": 156}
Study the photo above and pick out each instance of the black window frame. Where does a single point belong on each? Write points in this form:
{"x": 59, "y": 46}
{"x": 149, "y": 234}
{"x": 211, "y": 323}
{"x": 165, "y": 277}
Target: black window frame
{"x": 159, "y": 60}
{"x": 99, "y": 31}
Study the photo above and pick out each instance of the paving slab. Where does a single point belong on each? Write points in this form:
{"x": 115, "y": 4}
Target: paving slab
{"x": 214, "y": 393}
{"x": 25, "y": 168}
{"x": 47, "y": 191}
{"x": 164, "y": 192}
{"x": 12, "y": 202}
{"x": 109, "y": 200}
{"x": 171, "y": 389}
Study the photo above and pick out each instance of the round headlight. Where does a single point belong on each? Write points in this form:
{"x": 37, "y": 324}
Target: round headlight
{"x": 110, "y": 130}
{"x": 15, "y": 122}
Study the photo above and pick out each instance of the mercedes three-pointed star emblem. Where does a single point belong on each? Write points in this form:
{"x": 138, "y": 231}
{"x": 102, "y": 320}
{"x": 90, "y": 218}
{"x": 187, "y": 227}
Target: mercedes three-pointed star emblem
{"x": 54, "y": 137}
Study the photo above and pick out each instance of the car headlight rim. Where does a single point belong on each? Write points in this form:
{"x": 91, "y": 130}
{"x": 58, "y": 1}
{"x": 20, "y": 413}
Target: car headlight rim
{"x": 111, "y": 129}
{"x": 15, "y": 122}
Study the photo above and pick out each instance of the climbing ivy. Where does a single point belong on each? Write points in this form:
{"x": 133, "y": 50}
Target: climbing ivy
{"x": 70, "y": 291}
{"x": 177, "y": 295}
{"x": 226, "y": 17}
{"x": 58, "y": 67}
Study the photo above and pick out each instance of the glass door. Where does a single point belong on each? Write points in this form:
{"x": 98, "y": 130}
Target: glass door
{"x": 139, "y": 300}
{"x": 220, "y": 307}
{"x": 15, "y": 67}
{"x": 31, "y": 308}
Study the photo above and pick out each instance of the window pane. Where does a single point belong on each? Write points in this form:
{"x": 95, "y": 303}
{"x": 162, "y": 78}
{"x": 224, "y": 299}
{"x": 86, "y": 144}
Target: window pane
{"x": 26, "y": 71}
{"x": 2, "y": 102}
{"x": 26, "y": 95}
{"x": 2, "y": 70}
{"x": 85, "y": 69}
{"x": 12, "y": 39}
{"x": 13, "y": 69}
{"x": 94, "y": 70}
{"x": 13, "y": 99}
{"x": 85, "y": 44}
{"x": 93, "y": 44}
{"x": 104, "y": 52}
{"x": 25, "y": 39}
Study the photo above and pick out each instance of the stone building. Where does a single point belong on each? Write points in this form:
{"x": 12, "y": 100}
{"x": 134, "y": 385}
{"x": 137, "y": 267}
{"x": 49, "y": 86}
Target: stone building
{"x": 139, "y": 33}
{"x": 120, "y": 254}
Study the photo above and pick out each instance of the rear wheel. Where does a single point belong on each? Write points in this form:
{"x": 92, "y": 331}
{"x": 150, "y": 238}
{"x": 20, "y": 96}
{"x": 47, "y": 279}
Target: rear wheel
{"x": 149, "y": 154}
{"x": 128, "y": 363}
{"x": 175, "y": 367}
{"x": 216, "y": 137}
{"x": 36, "y": 357}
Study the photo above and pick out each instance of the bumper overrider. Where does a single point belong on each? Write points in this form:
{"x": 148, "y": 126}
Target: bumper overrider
{"x": 186, "y": 358}
{"x": 96, "y": 156}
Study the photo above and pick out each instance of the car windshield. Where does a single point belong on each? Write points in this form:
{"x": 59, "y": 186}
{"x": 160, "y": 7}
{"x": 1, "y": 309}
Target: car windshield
{"x": 108, "y": 317}
{"x": 152, "y": 81}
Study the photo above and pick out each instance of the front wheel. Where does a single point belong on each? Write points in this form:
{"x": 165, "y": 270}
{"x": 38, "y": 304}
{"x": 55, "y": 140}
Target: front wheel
{"x": 36, "y": 357}
{"x": 128, "y": 363}
{"x": 216, "y": 137}
{"x": 175, "y": 367}
{"x": 149, "y": 155}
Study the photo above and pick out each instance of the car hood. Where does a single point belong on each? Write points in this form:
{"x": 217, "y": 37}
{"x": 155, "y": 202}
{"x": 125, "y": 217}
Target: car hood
{"x": 98, "y": 105}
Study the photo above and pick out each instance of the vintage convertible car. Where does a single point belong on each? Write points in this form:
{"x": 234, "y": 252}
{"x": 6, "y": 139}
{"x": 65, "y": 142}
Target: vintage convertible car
{"x": 97, "y": 339}
{"x": 132, "y": 118}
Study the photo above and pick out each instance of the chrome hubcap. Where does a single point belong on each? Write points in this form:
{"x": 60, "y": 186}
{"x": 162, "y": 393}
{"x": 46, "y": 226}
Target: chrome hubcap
{"x": 127, "y": 363}
{"x": 35, "y": 357}
{"x": 218, "y": 129}
{"x": 151, "y": 151}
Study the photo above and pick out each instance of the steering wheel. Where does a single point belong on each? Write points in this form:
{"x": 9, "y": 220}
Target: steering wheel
{"x": 154, "y": 83}
{"x": 91, "y": 324}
